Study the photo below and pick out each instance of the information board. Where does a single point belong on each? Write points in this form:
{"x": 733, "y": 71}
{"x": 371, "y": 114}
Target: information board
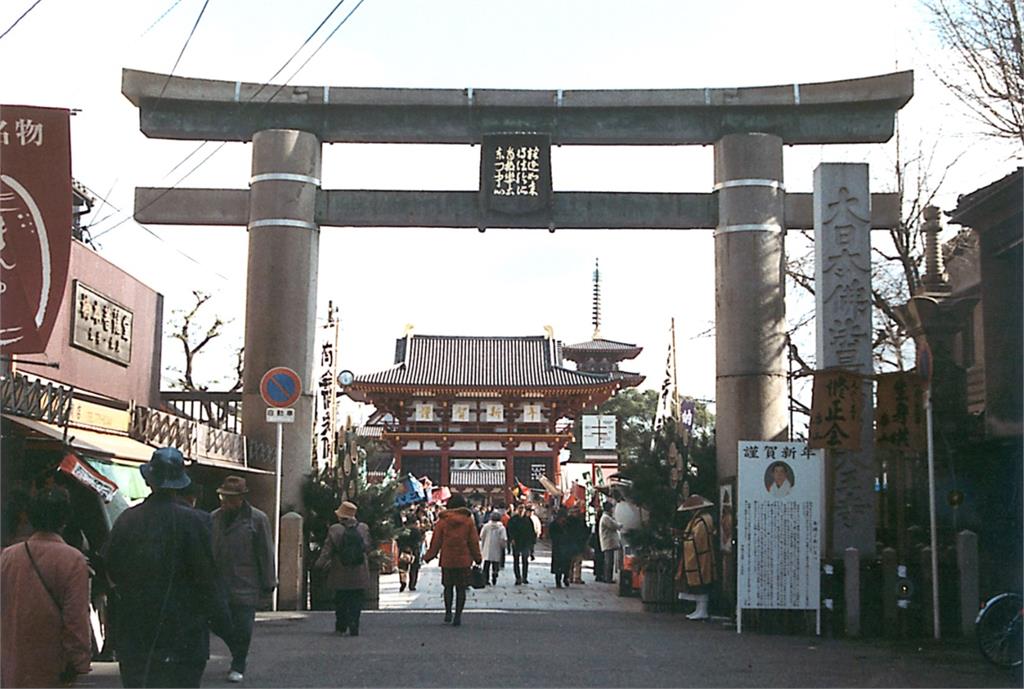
{"x": 779, "y": 525}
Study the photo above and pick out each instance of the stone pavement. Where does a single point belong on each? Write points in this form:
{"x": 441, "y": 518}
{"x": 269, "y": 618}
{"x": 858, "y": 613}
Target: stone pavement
{"x": 583, "y": 636}
{"x": 539, "y": 594}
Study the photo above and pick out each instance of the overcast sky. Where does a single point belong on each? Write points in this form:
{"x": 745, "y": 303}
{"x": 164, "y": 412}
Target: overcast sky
{"x": 67, "y": 53}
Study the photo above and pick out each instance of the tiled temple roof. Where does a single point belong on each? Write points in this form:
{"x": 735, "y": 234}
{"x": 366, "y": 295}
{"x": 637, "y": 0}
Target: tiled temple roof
{"x": 466, "y": 361}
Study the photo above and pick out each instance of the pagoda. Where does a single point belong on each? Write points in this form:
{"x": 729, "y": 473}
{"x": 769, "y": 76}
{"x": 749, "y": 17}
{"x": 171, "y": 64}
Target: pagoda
{"x": 599, "y": 355}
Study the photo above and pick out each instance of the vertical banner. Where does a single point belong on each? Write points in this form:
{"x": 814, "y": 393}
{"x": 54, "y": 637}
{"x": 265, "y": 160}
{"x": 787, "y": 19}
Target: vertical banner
{"x": 836, "y": 402}
{"x": 35, "y": 223}
{"x": 899, "y": 416}
{"x": 779, "y": 525}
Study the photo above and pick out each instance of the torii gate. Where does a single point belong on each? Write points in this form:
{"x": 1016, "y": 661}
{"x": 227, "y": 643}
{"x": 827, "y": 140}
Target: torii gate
{"x": 284, "y": 206}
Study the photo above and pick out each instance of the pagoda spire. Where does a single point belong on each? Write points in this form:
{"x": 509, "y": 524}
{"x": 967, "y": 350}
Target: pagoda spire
{"x": 596, "y": 318}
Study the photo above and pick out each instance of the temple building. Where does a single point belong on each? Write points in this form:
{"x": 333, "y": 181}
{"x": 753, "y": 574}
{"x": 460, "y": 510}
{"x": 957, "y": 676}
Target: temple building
{"x": 478, "y": 414}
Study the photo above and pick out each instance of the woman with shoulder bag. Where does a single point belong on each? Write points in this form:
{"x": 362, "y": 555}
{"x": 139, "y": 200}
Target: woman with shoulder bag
{"x": 456, "y": 539}
{"x": 45, "y": 593}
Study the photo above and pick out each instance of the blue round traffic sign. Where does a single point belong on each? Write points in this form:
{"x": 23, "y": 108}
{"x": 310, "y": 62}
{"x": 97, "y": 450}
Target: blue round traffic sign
{"x": 280, "y": 387}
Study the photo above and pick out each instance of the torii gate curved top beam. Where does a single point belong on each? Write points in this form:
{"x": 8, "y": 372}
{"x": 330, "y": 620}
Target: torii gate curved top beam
{"x": 835, "y": 112}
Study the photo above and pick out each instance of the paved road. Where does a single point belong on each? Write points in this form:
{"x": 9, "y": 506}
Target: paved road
{"x": 540, "y": 636}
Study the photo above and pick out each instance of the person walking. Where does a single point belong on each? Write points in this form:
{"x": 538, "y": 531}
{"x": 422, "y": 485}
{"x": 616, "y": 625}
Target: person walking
{"x": 561, "y": 547}
{"x": 594, "y": 541}
{"x": 410, "y": 545}
{"x": 159, "y": 557}
{"x": 343, "y": 555}
{"x": 243, "y": 548}
{"x": 578, "y": 534}
{"x": 697, "y": 567}
{"x": 538, "y": 528}
{"x": 44, "y": 584}
{"x": 455, "y": 539}
{"x": 493, "y": 539}
{"x": 522, "y": 537}
{"x": 611, "y": 541}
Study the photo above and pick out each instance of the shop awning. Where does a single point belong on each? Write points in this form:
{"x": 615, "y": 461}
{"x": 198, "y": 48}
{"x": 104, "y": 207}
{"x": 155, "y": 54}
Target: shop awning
{"x": 109, "y": 446}
{"x": 89, "y": 442}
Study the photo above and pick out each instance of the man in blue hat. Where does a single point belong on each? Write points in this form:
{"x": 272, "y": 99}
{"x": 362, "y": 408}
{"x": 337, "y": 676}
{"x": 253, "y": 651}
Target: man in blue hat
{"x": 160, "y": 560}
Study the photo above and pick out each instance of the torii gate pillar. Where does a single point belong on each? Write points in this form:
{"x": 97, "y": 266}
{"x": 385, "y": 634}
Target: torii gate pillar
{"x": 750, "y": 308}
{"x": 280, "y": 308}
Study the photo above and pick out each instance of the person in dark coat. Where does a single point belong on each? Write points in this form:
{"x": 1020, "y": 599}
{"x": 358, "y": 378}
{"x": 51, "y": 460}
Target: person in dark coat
{"x": 410, "y": 543}
{"x": 579, "y": 533}
{"x": 522, "y": 536}
{"x": 243, "y": 548}
{"x": 457, "y": 541}
{"x": 160, "y": 559}
{"x": 348, "y": 582}
{"x": 561, "y": 547}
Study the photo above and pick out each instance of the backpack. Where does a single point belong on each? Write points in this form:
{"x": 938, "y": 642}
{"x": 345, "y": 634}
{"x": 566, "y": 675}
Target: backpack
{"x": 350, "y": 549}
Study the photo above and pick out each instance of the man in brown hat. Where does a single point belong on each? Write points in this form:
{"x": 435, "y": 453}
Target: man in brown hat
{"x": 243, "y": 547}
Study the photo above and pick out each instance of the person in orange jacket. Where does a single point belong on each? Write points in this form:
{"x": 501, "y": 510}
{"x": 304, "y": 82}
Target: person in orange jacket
{"x": 456, "y": 539}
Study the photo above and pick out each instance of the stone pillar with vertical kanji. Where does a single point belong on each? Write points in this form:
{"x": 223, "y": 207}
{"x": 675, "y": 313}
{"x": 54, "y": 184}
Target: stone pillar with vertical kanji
{"x": 842, "y": 285}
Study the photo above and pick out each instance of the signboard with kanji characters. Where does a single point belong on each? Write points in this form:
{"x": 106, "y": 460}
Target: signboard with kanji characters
{"x": 836, "y": 402}
{"x": 778, "y": 512}
{"x": 515, "y": 174}
{"x": 598, "y": 432}
{"x": 899, "y": 414}
{"x": 35, "y": 223}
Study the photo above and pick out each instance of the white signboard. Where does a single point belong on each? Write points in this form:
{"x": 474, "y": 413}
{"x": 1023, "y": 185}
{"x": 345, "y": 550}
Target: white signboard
{"x": 532, "y": 413}
{"x": 495, "y": 412}
{"x": 779, "y": 526}
{"x": 460, "y": 412}
{"x": 424, "y": 412}
{"x": 598, "y": 432}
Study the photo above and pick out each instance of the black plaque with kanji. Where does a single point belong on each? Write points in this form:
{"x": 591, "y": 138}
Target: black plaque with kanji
{"x": 515, "y": 176}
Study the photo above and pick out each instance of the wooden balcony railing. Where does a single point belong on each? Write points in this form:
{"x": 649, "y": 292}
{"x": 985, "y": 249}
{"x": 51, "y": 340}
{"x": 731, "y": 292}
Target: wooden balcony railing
{"x": 36, "y": 399}
{"x": 221, "y": 410}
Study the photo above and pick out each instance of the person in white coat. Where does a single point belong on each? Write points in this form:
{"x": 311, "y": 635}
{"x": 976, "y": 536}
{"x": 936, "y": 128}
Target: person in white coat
{"x": 493, "y": 540}
{"x": 608, "y": 533}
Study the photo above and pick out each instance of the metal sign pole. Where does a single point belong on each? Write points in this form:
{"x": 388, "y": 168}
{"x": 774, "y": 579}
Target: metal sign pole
{"x": 277, "y": 516}
{"x": 931, "y": 512}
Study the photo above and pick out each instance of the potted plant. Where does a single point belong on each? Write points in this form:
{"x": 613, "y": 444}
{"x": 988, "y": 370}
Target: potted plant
{"x": 654, "y": 493}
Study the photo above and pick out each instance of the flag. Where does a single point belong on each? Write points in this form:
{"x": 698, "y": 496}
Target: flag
{"x": 88, "y": 477}
{"x": 668, "y": 399}
{"x": 520, "y": 490}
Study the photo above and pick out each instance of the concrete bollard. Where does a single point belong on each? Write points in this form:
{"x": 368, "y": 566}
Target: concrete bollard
{"x": 890, "y": 583}
{"x": 967, "y": 571}
{"x": 291, "y": 567}
{"x": 851, "y": 590}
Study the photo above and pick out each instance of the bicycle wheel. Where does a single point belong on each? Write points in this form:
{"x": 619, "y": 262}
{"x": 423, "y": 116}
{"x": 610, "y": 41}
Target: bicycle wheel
{"x": 998, "y": 629}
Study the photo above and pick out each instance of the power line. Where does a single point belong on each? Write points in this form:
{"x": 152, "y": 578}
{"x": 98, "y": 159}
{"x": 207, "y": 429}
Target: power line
{"x": 247, "y": 103}
{"x": 150, "y": 231}
{"x": 160, "y": 18}
{"x": 23, "y": 15}
{"x": 191, "y": 33}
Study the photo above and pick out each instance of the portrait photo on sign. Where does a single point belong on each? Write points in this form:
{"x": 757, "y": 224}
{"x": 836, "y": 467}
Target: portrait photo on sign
{"x": 778, "y": 479}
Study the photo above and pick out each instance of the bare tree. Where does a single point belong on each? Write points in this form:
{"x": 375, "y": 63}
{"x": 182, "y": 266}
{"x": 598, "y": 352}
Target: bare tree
{"x": 984, "y": 38}
{"x": 195, "y": 332}
{"x": 894, "y": 279}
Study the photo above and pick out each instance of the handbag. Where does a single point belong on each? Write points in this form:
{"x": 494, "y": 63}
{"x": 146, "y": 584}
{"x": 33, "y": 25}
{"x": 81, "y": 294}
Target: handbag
{"x": 68, "y": 674}
{"x": 476, "y": 577}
